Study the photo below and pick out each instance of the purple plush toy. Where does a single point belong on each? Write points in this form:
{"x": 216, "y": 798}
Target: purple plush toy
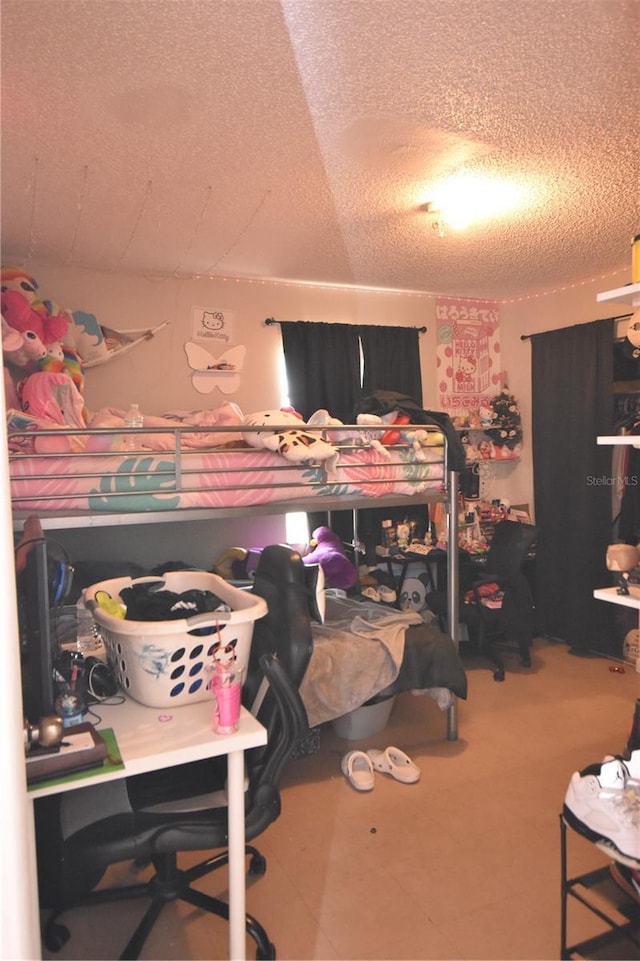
{"x": 329, "y": 553}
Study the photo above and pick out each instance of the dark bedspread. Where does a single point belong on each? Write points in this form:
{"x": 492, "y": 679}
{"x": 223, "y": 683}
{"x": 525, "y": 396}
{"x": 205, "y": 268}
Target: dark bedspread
{"x": 430, "y": 660}
{"x": 365, "y": 652}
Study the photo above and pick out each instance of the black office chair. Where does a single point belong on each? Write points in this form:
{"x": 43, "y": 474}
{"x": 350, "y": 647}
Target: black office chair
{"x": 140, "y": 818}
{"x": 282, "y": 580}
{"x": 506, "y": 615}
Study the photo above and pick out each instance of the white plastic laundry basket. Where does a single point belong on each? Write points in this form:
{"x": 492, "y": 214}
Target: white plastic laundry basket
{"x": 365, "y": 721}
{"x": 168, "y": 663}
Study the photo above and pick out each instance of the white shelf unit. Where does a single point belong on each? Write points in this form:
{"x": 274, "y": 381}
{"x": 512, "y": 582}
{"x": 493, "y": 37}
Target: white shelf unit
{"x": 610, "y": 594}
{"x": 619, "y": 440}
{"x": 630, "y": 294}
{"x": 590, "y": 889}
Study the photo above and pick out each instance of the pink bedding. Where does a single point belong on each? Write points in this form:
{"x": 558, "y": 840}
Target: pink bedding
{"x": 88, "y": 470}
{"x": 136, "y": 482}
{"x": 214, "y": 430}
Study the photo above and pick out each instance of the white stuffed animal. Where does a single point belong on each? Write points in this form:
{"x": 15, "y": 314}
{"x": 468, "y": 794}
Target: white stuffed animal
{"x": 426, "y": 444}
{"x": 294, "y": 444}
{"x": 361, "y": 438}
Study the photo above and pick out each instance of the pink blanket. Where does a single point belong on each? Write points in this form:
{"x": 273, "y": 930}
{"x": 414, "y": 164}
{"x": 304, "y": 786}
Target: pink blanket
{"x": 227, "y": 416}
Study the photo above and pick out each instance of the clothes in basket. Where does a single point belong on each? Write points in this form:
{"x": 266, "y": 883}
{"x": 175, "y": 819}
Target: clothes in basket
{"x": 168, "y": 663}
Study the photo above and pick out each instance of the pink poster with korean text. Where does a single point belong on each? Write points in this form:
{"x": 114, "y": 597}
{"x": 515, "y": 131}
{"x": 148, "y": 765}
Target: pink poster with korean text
{"x": 468, "y": 359}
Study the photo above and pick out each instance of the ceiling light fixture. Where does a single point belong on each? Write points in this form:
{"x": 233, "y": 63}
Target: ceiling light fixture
{"x": 466, "y": 198}
{"x": 437, "y": 220}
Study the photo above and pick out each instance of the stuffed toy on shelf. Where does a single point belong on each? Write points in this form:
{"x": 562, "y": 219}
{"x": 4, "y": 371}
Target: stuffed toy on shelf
{"x": 34, "y": 333}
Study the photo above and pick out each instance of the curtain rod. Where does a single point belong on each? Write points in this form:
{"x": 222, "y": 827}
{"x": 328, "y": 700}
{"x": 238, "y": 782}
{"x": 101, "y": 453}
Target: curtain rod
{"x": 270, "y": 321}
{"x": 617, "y": 317}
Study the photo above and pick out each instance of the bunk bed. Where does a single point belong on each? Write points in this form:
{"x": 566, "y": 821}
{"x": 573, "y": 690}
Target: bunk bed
{"x": 191, "y": 473}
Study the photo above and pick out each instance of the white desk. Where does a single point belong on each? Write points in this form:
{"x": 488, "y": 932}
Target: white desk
{"x": 151, "y": 739}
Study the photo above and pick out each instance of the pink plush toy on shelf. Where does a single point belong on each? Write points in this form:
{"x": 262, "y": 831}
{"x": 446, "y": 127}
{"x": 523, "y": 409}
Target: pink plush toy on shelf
{"x": 24, "y": 313}
{"x": 42, "y": 376}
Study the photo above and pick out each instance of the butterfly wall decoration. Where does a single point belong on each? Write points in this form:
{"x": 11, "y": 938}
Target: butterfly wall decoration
{"x": 208, "y": 371}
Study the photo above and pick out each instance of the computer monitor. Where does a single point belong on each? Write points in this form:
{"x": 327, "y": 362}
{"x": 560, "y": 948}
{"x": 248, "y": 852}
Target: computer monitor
{"x": 40, "y": 585}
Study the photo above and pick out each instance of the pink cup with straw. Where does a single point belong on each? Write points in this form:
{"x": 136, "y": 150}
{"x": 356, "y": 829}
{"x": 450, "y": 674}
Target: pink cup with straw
{"x": 226, "y": 685}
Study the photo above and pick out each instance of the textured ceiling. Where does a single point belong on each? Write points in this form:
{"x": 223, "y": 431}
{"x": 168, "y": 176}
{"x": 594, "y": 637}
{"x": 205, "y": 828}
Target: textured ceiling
{"x": 298, "y": 140}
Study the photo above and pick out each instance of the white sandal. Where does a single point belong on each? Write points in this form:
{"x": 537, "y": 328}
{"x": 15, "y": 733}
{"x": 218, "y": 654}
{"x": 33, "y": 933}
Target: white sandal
{"x": 371, "y": 594}
{"x": 358, "y": 770}
{"x": 395, "y": 762}
{"x": 387, "y": 595}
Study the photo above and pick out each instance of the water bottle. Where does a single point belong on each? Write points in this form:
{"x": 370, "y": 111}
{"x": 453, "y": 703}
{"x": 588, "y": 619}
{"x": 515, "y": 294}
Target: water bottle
{"x": 133, "y": 418}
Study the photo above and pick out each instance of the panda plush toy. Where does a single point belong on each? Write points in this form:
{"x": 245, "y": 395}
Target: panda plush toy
{"x": 413, "y": 593}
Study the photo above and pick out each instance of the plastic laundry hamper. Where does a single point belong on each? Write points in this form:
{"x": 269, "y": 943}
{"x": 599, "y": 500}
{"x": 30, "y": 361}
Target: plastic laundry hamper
{"x": 169, "y": 663}
{"x": 365, "y": 721}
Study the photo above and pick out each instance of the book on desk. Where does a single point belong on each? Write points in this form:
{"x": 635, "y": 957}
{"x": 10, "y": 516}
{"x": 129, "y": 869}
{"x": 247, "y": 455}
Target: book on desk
{"x": 82, "y": 752}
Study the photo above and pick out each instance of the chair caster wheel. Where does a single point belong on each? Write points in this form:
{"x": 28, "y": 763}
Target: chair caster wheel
{"x": 257, "y": 865}
{"x": 267, "y": 955}
{"x": 55, "y": 937}
{"x": 499, "y": 674}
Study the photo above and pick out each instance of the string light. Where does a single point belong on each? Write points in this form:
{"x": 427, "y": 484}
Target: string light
{"x": 162, "y": 278}
{"x": 207, "y": 274}
{"x": 33, "y": 187}
{"x": 79, "y": 210}
{"x": 143, "y": 205}
{"x": 563, "y": 289}
{"x": 176, "y": 271}
{"x": 357, "y": 288}
{"x": 241, "y": 234}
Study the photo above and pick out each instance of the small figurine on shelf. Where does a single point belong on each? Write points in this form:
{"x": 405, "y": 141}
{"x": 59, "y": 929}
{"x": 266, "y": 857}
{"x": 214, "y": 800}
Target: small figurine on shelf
{"x": 485, "y": 416}
{"x": 622, "y": 559}
{"x": 485, "y": 450}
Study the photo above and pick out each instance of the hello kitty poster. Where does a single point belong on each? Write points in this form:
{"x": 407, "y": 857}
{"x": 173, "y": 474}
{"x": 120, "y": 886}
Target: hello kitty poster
{"x": 468, "y": 359}
{"x": 212, "y": 325}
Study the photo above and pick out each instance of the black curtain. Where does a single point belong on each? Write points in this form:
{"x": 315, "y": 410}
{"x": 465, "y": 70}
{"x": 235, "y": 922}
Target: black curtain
{"x": 572, "y": 402}
{"x": 391, "y": 360}
{"x": 322, "y": 362}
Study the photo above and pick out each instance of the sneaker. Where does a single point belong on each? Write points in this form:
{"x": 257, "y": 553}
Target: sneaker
{"x": 604, "y": 808}
{"x": 633, "y": 741}
{"x": 633, "y": 767}
{"x": 627, "y": 768}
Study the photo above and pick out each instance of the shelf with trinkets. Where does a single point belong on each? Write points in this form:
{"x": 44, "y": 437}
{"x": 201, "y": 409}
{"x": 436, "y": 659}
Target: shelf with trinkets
{"x": 493, "y": 432}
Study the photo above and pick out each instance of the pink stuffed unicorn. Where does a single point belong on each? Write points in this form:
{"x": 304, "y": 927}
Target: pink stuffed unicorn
{"x": 33, "y": 331}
